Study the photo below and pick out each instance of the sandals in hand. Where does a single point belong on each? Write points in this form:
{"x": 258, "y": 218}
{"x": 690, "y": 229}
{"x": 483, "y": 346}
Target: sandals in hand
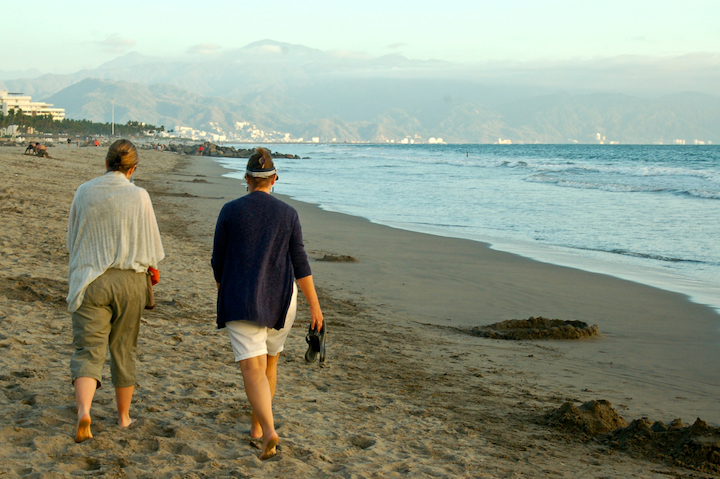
{"x": 316, "y": 344}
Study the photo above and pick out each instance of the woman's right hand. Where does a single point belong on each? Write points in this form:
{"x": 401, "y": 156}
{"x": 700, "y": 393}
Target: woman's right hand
{"x": 307, "y": 286}
{"x": 316, "y": 317}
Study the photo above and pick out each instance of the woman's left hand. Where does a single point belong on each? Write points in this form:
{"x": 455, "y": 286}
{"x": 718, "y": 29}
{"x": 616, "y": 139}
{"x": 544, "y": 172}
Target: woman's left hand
{"x": 154, "y": 275}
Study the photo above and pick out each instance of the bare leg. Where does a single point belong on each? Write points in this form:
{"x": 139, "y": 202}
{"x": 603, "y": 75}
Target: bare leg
{"x": 84, "y": 393}
{"x": 123, "y": 397}
{"x": 257, "y": 388}
{"x": 271, "y": 374}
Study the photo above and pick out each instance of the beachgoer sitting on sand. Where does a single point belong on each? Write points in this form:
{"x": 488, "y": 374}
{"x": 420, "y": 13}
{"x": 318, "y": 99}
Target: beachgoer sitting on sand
{"x": 41, "y": 150}
{"x": 113, "y": 239}
{"x": 258, "y": 254}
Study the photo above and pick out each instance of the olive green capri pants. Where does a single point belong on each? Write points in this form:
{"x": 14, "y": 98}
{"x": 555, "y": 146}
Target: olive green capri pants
{"x": 109, "y": 316}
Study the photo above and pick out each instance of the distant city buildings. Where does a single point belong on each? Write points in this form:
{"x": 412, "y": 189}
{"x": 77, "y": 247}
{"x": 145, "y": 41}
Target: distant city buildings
{"x": 11, "y": 130}
{"x": 601, "y": 139}
{"x": 18, "y": 102}
{"x": 245, "y": 132}
{"x": 684, "y": 142}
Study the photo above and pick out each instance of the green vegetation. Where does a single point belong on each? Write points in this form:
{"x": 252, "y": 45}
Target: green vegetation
{"x": 45, "y": 124}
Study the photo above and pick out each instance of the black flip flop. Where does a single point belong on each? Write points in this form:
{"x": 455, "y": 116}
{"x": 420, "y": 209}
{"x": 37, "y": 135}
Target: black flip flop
{"x": 316, "y": 344}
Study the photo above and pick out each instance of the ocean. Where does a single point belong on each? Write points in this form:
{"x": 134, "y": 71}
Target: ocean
{"x": 650, "y": 214}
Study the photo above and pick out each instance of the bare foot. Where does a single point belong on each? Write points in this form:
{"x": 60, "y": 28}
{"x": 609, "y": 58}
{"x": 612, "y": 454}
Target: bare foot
{"x": 256, "y": 431}
{"x": 269, "y": 446}
{"x": 126, "y": 422}
{"x": 83, "y": 429}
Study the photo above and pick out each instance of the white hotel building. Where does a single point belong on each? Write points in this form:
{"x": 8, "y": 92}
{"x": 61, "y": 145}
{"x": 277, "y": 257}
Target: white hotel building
{"x": 18, "y": 101}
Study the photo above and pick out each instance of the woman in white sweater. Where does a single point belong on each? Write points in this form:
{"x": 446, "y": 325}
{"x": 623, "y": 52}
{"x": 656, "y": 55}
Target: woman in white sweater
{"x": 113, "y": 239}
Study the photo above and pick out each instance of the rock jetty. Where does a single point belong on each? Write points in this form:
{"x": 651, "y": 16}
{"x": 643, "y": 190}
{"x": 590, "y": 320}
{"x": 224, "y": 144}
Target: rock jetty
{"x": 211, "y": 149}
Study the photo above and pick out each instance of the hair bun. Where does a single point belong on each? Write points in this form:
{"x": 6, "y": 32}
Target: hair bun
{"x": 121, "y": 156}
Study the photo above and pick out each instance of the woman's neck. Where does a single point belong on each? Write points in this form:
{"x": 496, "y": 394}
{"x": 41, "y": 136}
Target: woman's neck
{"x": 126, "y": 174}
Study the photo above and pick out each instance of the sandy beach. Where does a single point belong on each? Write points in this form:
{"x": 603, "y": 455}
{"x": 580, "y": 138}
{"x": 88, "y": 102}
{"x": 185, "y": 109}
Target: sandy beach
{"x": 406, "y": 390}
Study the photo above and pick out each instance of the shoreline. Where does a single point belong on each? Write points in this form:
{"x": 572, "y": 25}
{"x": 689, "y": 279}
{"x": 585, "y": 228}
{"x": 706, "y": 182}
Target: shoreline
{"x": 696, "y": 291}
{"x": 645, "y": 344}
{"x": 697, "y": 285}
{"x": 405, "y": 392}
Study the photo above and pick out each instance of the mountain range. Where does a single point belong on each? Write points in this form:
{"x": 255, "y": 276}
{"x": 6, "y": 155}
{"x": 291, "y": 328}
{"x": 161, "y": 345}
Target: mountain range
{"x": 272, "y": 91}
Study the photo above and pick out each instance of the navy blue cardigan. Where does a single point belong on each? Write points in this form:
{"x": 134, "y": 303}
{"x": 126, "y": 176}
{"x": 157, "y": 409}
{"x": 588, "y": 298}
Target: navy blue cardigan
{"x": 257, "y": 250}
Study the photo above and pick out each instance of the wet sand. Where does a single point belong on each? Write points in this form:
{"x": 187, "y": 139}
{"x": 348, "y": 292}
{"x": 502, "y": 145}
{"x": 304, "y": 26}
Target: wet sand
{"x": 406, "y": 391}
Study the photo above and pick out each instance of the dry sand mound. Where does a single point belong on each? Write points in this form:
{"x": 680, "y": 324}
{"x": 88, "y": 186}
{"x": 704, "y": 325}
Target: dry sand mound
{"x": 536, "y": 328}
{"x": 591, "y": 419}
{"x": 694, "y": 447}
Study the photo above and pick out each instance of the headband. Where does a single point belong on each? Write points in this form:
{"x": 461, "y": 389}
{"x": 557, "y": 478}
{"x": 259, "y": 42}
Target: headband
{"x": 261, "y": 173}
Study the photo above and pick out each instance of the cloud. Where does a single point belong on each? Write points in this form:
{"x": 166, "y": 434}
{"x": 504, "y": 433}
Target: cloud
{"x": 349, "y": 54}
{"x": 394, "y": 46}
{"x": 116, "y": 44}
{"x": 204, "y": 49}
{"x": 272, "y": 49}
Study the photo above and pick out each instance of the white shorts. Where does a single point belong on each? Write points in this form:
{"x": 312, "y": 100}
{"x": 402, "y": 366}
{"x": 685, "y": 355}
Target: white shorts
{"x": 250, "y": 339}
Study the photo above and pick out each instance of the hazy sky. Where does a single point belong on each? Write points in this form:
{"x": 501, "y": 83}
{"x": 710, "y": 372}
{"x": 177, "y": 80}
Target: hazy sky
{"x": 62, "y": 37}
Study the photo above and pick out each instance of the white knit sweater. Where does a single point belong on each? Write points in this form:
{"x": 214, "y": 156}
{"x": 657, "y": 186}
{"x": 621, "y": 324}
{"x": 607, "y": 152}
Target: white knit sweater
{"x": 112, "y": 225}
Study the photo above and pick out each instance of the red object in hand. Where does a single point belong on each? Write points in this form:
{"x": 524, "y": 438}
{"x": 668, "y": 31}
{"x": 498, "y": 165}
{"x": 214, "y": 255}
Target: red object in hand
{"x": 154, "y": 276}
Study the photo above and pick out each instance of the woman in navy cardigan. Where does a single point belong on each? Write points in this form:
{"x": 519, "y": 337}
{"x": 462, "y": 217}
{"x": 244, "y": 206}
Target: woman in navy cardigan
{"x": 258, "y": 256}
